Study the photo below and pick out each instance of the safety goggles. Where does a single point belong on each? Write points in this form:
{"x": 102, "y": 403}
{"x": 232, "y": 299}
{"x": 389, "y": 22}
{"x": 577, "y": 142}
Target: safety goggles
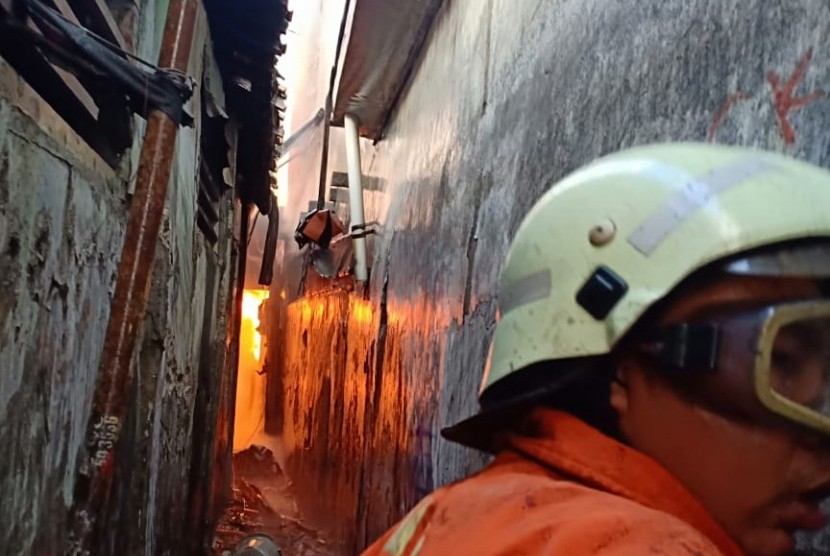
{"x": 778, "y": 357}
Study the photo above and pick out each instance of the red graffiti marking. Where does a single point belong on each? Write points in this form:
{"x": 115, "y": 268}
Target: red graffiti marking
{"x": 108, "y": 464}
{"x": 783, "y": 96}
{"x": 731, "y": 101}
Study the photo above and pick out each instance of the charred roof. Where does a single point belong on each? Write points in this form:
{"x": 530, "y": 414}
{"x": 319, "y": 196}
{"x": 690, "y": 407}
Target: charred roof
{"x": 247, "y": 40}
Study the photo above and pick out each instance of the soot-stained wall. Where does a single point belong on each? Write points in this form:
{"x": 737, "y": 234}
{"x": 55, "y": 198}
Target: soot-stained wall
{"x": 507, "y": 97}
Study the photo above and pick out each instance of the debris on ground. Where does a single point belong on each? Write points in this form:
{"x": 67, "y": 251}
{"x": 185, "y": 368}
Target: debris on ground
{"x": 262, "y": 503}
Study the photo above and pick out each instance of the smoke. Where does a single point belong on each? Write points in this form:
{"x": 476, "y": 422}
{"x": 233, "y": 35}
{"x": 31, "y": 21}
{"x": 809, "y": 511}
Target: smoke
{"x": 301, "y": 176}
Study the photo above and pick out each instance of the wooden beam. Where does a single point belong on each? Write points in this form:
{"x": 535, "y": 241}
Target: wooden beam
{"x": 58, "y": 90}
{"x": 206, "y": 226}
{"x": 206, "y": 204}
{"x": 72, "y": 83}
{"x": 211, "y": 188}
{"x": 66, "y": 10}
{"x": 78, "y": 90}
{"x": 97, "y": 17}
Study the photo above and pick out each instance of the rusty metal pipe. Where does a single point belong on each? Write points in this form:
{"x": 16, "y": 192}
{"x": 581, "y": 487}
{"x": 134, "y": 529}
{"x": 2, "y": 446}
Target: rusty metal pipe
{"x": 129, "y": 304}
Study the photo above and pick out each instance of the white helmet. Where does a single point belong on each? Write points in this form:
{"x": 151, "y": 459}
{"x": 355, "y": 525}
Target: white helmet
{"x": 612, "y": 239}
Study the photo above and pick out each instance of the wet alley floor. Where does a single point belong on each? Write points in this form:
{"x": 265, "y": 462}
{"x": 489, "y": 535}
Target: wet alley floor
{"x": 263, "y": 502}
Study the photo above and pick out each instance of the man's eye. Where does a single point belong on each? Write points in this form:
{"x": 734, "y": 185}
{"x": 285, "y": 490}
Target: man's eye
{"x": 785, "y": 362}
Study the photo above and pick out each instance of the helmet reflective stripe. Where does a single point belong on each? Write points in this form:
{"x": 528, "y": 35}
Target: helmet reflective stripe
{"x": 528, "y": 289}
{"x": 690, "y": 196}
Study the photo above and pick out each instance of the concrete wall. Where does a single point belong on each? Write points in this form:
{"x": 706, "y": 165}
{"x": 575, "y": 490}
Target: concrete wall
{"x": 509, "y": 96}
{"x": 61, "y": 226}
{"x": 62, "y": 216}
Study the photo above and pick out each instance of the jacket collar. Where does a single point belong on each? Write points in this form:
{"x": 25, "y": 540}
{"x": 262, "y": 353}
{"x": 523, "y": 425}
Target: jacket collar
{"x": 565, "y": 444}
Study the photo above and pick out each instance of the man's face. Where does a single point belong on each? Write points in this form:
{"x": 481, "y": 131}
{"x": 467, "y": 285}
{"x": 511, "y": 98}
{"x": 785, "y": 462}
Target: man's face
{"x": 761, "y": 479}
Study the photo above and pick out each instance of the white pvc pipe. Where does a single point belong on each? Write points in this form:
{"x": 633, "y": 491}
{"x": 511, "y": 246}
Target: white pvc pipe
{"x": 356, "y": 195}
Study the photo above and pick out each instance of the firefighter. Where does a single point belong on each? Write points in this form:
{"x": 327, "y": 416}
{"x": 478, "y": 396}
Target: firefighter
{"x": 658, "y": 377}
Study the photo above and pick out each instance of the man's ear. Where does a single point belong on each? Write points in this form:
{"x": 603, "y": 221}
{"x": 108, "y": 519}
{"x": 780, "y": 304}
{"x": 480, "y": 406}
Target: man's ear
{"x": 620, "y": 396}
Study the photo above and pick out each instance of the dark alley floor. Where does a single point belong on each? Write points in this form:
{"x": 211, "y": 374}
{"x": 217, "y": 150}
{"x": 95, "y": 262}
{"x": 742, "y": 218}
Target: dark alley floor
{"x": 263, "y": 502}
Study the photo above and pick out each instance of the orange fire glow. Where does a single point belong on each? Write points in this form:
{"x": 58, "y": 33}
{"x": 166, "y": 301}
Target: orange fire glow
{"x": 251, "y": 301}
{"x": 250, "y": 383}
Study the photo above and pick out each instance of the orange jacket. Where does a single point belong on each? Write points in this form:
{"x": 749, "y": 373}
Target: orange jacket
{"x": 569, "y": 491}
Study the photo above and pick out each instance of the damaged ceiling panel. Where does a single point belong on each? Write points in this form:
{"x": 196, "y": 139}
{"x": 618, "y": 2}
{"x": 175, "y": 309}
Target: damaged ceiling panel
{"x": 384, "y": 45}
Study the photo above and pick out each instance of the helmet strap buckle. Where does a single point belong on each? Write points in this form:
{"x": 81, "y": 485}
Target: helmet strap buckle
{"x": 685, "y": 346}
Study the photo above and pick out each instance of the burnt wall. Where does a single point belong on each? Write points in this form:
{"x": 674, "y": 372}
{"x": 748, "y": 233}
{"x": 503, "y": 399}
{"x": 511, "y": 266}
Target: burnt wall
{"x": 61, "y": 227}
{"x": 62, "y": 218}
{"x": 508, "y": 96}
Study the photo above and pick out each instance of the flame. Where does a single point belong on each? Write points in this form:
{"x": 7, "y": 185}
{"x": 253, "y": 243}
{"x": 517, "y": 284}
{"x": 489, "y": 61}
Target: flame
{"x": 250, "y": 384}
{"x": 251, "y": 301}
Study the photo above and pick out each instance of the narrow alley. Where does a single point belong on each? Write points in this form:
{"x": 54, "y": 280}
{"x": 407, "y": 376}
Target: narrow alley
{"x": 256, "y": 258}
